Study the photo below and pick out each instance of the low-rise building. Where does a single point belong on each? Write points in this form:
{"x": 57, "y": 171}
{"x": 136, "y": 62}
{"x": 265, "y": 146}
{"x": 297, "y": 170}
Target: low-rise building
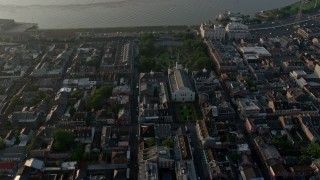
{"x": 24, "y": 118}
{"x": 10, "y": 139}
{"x": 212, "y": 31}
{"x": 25, "y": 133}
{"x": 154, "y": 102}
{"x": 14, "y": 153}
{"x": 35, "y": 164}
{"x": 185, "y": 168}
{"x": 251, "y": 173}
{"x": 254, "y": 125}
{"x": 237, "y": 31}
{"x": 8, "y": 166}
{"x": 83, "y": 134}
{"x": 152, "y": 159}
{"x": 205, "y": 81}
{"x": 203, "y": 133}
{"x": 247, "y": 107}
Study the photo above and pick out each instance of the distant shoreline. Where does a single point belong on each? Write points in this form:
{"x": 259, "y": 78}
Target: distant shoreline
{"x": 163, "y": 28}
{"x": 118, "y": 29}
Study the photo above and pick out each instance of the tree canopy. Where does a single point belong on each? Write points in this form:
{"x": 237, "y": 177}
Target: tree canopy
{"x": 63, "y": 140}
{"x": 77, "y": 152}
{"x": 309, "y": 153}
{"x": 99, "y": 97}
{"x": 146, "y": 44}
{"x": 76, "y": 94}
{"x": 93, "y": 63}
{"x": 314, "y": 150}
{"x": 150, "y": 142}
{"x": 2, "y": 144}
{"x": 168, "y": 142}
{"x": 192, "y": 52}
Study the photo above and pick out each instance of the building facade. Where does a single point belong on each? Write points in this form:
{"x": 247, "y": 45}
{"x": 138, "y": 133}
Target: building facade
{"x": 180, "y": 85}
{"x": 211, "y": 31}
{"x": 237, "y": 31}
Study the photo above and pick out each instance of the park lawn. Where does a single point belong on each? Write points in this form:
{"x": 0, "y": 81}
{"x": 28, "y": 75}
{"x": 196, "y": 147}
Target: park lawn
{"x": 185, "y": 112}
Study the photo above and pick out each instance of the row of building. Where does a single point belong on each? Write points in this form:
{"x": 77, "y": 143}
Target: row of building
{"x": 232, "y": 31}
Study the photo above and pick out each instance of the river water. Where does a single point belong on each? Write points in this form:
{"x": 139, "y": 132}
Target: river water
{"x": 116, "y": 13}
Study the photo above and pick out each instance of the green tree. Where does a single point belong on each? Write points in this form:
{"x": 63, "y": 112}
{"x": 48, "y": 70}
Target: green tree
{"x": 150, "y": 142}
{"x": 93, "y": 63}
{"x": 146, "y": 44}
{"x": 47, "y": 99}
{"x": 309, "y": 153}
{"x": 76, "y": 94}
{"x": 16, "y": 100}
{"x": 2, "y": 144}
{"x": 168, "y": 142}
{"x": 314, "y": 150}
{"x": 146, "y": 64}
{"x": 99, "y": 97}
{"x": 203, "y": 62}
{"x": 77, "y": 152}
{"x": 63, "y": 140}
{"x": 41, "y": 94}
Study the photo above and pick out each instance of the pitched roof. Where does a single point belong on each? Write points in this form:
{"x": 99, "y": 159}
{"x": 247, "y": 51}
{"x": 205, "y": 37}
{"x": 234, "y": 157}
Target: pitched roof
{"x": 35, "y": 163}
{"x": 115, "y": 155}
{"x": 179, "y": 79}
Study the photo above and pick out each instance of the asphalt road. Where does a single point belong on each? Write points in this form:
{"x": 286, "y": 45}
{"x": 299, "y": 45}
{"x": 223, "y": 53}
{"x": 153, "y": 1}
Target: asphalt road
{"x": 134, "y": 144}
{"x": 197, "y": 152}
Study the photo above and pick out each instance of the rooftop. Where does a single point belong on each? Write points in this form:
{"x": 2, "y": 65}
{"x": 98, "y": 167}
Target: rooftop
{"x": 184, "y": 147}
{"x": 179, "y": 80}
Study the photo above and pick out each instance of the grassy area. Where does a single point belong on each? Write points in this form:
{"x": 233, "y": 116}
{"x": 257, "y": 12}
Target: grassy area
{"x": 185, "y": 112}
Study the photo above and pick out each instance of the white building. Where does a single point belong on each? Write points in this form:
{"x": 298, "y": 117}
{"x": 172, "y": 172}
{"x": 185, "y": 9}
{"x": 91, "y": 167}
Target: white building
{"x": 237, "y": 31}
{"x": 213, "y": 31}
{"x": 85, "y": 83}
{"x": 258, "y": 51}
{"x": 180, "y": 85}
{"x": 82, "y": 83}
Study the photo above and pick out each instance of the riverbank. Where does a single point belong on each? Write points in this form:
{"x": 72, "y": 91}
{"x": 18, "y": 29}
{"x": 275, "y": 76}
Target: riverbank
{"x": 308, "y": 6}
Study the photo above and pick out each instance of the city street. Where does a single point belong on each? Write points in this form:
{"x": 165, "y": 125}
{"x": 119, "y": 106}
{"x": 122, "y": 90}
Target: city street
{"x": 198, "y": 156}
